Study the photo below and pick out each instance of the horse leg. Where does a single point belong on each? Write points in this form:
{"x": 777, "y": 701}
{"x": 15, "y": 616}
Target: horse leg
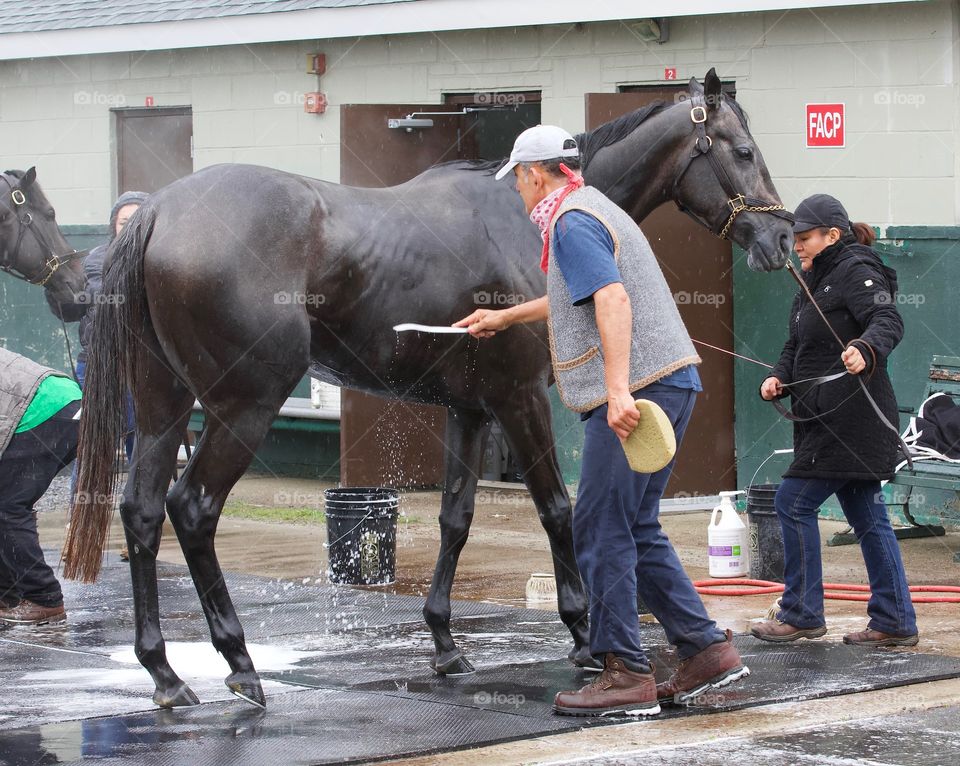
{"x": 528, "y": 427}
{"x": 231, "y": 435}
{"x": 466, "y": 435}
{"x": 162, "y": 408}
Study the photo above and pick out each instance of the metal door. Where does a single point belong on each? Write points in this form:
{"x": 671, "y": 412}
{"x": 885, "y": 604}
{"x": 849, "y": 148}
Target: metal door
{"x": 698, "y": 267}
{"x": 154, "y": 147}
{"x": 387, "y": 441}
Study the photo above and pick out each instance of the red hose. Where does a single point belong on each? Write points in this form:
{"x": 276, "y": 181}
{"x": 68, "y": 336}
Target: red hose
{"x": 720, "y": 587}
{"x": 727, "y": 587}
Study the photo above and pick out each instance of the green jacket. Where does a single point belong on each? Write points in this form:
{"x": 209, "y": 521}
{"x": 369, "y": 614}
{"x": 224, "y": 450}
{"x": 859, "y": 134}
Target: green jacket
{"x": 19, "y": 380}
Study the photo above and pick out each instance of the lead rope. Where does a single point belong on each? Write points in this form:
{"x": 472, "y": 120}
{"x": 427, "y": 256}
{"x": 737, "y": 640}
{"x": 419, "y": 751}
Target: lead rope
{"x": 66, "y": 338}
{"x": 816, "y": 381}
{"x": 876, "y": 408}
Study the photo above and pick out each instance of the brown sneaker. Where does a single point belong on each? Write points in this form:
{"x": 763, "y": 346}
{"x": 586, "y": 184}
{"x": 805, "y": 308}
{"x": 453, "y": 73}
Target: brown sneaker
{"x": 616, "y": 691}
{"x": 782, "y": 632}
{"x": 876, "y": 638}
{"x": 28, "y": 613}
{"x": 717, "y": 665}
{"x": 124, "y": 554}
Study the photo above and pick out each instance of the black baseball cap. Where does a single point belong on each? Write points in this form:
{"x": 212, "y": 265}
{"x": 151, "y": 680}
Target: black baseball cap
{"x": 820, "y": 211}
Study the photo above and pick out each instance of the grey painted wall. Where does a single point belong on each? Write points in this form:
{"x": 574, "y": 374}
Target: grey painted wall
{"x": 895, "y": 67}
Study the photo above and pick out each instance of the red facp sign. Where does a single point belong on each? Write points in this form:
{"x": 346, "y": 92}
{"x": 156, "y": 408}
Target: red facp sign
{"x": 825, "y": 125}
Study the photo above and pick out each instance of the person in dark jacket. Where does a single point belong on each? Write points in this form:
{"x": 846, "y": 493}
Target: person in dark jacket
{"x": 844, "y": 448}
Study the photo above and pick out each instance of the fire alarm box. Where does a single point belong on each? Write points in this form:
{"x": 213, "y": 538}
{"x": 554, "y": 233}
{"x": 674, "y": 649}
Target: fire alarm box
{"x": 316, "y": 63}
{"x": 314, "y": 103}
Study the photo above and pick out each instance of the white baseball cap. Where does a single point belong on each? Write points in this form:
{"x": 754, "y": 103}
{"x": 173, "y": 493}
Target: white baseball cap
{"x": 539, "y": 143}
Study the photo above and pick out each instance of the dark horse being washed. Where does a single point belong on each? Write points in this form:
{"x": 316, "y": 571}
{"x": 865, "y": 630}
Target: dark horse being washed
{"x": 32, "y": 247}
{"x": 232, "y": 283}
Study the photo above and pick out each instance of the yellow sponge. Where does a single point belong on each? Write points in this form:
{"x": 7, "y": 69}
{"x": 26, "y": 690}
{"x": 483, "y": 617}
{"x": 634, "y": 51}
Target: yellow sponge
{"x": 652, "y": 444}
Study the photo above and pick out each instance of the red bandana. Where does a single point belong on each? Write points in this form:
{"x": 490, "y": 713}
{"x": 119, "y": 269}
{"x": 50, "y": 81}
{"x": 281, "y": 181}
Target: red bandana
{"x": 542, "y": 214}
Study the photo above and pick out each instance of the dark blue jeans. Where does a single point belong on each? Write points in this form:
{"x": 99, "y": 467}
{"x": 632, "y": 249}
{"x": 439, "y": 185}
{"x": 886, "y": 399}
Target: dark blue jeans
{"x": 621, "y": 548}
{"x": 798, "y": 502}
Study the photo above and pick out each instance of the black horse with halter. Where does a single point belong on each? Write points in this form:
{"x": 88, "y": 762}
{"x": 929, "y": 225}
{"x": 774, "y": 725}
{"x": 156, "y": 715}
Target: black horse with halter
{"x": 8, "y": 258}
{"x": 738, "y": 202}
{"x": 741, "y": 203}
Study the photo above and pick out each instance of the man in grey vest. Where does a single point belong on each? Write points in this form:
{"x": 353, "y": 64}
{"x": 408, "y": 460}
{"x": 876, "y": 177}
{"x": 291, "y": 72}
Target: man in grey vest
{"x": 38, "y": 437}
{"x": 615, "y": 336}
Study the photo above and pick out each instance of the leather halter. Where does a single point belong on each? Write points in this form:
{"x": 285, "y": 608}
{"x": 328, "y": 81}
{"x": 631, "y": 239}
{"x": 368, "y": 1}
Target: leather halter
{"x": 8, "y": 259}
{"x": 737, "y": 202}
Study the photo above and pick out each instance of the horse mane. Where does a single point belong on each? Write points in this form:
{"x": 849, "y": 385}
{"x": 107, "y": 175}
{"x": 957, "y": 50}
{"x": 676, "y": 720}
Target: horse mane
{"x": 615, "y": 130}
{"x": 488, "y": 166}
{"x": 739, "y": 111}
{"x": 14, "y": 173}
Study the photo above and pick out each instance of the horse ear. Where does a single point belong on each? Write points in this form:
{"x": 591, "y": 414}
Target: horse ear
{"x": 695, "y": 87}
{"x": 712, "y": 89}
{"x": 28, "y": 178}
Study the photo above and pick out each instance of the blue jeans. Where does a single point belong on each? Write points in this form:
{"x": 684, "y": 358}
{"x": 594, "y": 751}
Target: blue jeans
{"x": 798, "y": 502}
{"x": 622, "y": 550}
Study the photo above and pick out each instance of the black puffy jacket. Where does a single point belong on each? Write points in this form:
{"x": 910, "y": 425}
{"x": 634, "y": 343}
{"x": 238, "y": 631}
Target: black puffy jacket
{"x": 857, "y": 293}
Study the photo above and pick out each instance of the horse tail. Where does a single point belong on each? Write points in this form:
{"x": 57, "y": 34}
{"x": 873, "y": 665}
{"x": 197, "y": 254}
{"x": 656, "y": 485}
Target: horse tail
{"x": 121, "y": 314}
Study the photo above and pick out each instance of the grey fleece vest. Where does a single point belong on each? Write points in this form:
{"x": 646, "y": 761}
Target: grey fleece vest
{"x": 659, "y": 342}
{"x": 19, "y": 380}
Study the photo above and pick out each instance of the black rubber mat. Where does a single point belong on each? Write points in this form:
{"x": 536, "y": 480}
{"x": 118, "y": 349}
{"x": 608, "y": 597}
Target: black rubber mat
{"x": 311, "y": 727}
{"x": 802, "y": 672}
{"x": 40, "y": 684}
{"x": 402, "y": 652}
{"x": 346, "y": 677}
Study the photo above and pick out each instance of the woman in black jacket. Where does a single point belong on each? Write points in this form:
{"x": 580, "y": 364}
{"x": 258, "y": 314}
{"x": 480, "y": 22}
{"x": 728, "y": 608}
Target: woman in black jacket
{"x": 844, "y": 448}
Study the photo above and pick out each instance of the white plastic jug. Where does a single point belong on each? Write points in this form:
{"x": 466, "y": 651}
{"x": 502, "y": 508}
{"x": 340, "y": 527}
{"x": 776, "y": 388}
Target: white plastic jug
{"x": 728, "y": 540}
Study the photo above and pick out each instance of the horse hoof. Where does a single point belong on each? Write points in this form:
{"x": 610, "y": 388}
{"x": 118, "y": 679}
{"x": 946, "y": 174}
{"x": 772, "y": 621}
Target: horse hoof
{"x": 179, "y": 696}
{"x": 580, "y": 656}
{"x": 247, "y": 687}
{"x": 452, "y": 663}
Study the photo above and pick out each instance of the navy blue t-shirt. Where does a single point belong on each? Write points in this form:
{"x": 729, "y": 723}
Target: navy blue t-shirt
{"x": 584, "y": 252}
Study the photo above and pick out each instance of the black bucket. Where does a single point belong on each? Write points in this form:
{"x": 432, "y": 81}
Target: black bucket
{"x": 362, "y": 535}
{"x": 766, "y": 537}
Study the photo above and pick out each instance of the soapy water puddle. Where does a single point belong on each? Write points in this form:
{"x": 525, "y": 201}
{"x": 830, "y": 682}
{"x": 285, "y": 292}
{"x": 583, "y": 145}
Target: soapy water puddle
{"x": 201, "y": 660}
{"x": 73, "y": 692}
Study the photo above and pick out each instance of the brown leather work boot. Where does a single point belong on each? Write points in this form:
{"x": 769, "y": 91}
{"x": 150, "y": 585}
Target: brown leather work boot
{"x": 870, "y": 637}
{"x": 782, "y": 632}
{"x": 616, "y": 691}
{"x": 717, "y": 665}
{"x": 28, "y": 613}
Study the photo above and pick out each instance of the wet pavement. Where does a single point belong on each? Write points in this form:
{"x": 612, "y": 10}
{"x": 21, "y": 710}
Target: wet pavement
{"x": 342, "y": 666}
{"x": 923, "y": 738}
{"x": 346, "y": 676}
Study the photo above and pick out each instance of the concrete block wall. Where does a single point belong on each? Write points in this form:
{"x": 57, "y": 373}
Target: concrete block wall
{"x": 894, "y": 66}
